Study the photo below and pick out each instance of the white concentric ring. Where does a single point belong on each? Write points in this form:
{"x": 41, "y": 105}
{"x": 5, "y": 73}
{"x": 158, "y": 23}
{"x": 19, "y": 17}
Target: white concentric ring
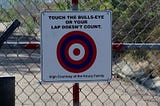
{"x": 71, "y": 52}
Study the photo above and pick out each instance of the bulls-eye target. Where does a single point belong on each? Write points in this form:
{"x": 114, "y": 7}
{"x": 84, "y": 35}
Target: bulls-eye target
{"x": 76, "y": 51}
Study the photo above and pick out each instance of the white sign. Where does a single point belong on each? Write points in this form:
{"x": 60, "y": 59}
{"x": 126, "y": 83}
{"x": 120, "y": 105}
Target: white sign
{"x": 76, "y": 46}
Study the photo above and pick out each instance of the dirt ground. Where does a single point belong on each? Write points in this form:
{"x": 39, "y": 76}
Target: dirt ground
{"x": 30, "y": 91}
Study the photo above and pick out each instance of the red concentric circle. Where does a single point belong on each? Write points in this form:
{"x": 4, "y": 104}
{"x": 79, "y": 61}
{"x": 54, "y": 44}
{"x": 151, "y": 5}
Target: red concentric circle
{"x": 76, "y": 51}
{"x": 85, "y": 55}
{"x": 67, "y": 61}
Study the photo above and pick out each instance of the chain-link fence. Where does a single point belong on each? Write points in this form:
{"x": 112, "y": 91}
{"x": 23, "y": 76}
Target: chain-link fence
{"x": 135, "y": 72}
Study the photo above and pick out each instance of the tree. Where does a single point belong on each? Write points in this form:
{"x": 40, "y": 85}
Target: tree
{"x": 134, "y": 20}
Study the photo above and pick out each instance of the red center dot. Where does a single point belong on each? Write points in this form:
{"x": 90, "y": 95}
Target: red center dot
{"x": 76, "y": 51}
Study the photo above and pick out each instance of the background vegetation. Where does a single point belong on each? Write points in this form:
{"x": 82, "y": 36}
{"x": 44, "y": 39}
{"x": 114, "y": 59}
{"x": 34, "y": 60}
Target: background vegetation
{"x": 134, "y": 21}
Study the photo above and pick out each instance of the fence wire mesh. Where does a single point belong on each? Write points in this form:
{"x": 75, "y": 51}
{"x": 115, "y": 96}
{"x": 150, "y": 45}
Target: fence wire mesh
{"x": 136, "y": 73}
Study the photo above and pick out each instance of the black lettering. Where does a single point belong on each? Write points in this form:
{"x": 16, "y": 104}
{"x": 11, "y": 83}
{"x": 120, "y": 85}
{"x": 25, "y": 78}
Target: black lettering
{"x": 91, "y": 17}
{"x": 55, "y": 27}
{"x": 71, "y": 26}
{"x": 80, "y": 21}
{"x": 68, "y": 22}
{"x": 99, "y": 16}
{"x": 92, "y": 26}
{"x": 71, "y": 17}
{"x": 56, "y": 17}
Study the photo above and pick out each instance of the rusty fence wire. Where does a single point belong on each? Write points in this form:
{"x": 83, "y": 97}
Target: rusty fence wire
{"x": 135, "y": 70}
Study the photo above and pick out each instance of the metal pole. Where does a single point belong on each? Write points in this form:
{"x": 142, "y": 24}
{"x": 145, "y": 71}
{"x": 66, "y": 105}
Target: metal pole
{"x": 7, "y": 91}
{"x": 9, "y": 31}
{"x": 76, "y": 94}
{"x": 76, "y": 85}
{"x": 75, "y": 5}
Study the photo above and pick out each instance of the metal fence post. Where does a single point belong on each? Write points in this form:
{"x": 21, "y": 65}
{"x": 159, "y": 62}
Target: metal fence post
{"x": 74, "y": 4}
{"x": 7, "y": 91}
{"x": 76, "y": 85}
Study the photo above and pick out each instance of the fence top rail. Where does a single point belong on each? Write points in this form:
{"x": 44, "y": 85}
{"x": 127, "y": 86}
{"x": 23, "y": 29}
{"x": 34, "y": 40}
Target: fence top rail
{"x": 115, "y": 46}
{"x": 135, "y": 46}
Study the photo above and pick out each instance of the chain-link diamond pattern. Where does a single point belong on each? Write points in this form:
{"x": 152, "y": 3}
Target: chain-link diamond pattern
{"x": 136, "y": 73}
